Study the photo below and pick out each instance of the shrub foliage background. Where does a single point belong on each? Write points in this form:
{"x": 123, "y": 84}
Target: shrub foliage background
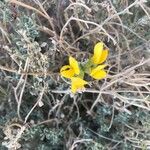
{"x": 36, "y": 109}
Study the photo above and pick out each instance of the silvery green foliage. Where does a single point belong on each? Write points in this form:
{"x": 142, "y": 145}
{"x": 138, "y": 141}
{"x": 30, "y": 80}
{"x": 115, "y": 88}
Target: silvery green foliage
{"x": 5, "y": 13}
{"x": 28, "y": 24}
{"x": 44, "y": 136}
{"x": 25, "y": 32}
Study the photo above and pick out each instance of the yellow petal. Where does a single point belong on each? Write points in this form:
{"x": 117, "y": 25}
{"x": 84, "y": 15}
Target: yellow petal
{"x": 73, "y": 88}
{"x": 67, "y": 71}
{"x": 97, "y": 52}
{"x": 98, "y": 73}
{"x": 104, "y": 56}
{"x": 77, "y": 83}
{"x": 74, "y": 64}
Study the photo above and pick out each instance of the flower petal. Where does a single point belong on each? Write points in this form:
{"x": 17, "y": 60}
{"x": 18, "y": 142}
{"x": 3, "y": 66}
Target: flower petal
{"x": 66, "y": 71}
{"x": 74, "y": 64}
{"x": 98, "y": 48}
{"x": 98, "y": 73}
{"x": 104, "y": 56}
{"x": 73, "y": 88}
{"x": 77, "y": 83}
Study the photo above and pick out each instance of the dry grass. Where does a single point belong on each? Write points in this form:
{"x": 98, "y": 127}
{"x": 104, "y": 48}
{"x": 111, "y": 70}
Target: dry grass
{"x": 73, "y": 30}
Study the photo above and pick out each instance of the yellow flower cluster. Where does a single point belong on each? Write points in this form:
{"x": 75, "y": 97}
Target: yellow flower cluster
{"x": 93, "y": 67}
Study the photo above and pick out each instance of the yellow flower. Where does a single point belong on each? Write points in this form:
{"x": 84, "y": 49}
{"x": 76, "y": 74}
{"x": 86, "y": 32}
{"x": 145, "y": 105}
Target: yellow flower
{"x": 77, "y": 84}
{"x": 70, "y": 70}
{"x": 100, "y": 54}
{"x": 98, "y": 72}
